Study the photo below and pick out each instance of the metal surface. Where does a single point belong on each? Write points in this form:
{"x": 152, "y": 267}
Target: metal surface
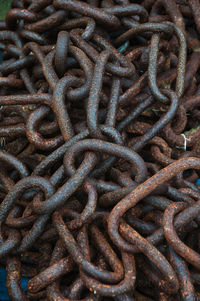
{"x": 100, "y": 156}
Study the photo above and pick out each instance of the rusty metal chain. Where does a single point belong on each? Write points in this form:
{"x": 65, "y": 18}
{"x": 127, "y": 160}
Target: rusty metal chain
{"x": 99, "y": 150}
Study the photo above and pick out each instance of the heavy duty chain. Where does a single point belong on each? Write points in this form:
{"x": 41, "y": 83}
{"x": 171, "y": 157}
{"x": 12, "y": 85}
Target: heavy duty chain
{"x": 100, "y": 152}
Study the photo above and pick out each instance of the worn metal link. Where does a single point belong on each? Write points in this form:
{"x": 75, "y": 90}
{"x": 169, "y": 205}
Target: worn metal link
{"x": 99, "y": 150}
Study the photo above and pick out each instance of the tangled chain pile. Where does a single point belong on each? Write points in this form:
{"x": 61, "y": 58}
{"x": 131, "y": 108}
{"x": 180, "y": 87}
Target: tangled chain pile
{"x": 100, "y": 128}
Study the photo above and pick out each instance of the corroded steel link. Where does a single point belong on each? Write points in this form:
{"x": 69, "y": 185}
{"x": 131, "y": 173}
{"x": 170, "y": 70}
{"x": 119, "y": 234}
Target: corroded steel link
{"x": 53, "y": 290}
{"x": 140, "y": 192}
{"x": 17, "y": 65}
{"x": 14, "y": 14}
{"x": 129, "y": 95}
{"x": 14, "y": 163}
{"x": 153, "y": 56}
{"x": 128, "y": 10}
{"x": 48, "y": 70}
{"x": 187, "y": 253}
{"x": 60, "y": 108}
{"x": 20, "y": 222}
{"x": 86, "y": 215}
{"x": 18, "y": 190}
{"x": 126, "y": 68}
{"x": 58, "y": 154}
{"x": 69, "y": 187}
{"x": 86, "y": 22}
{"x": 89, "y": 11}
{"x": 161, "y": 151}
{"x": 191, "y": 68}
{"x": 7, "y": 35}
{"x": 107, "y": 163}
{"x": 186, "y": 285}
{"x": 48, "y": 23}
{"x": 153, "y": 64}
{"x": 33, "y": 37}
{"x": 38, "y": 5}
{"x": 99, "y": 150}
{"x": 108, "y": 290}
{"x": 37, "y": 228}
{"x": 181, "y": 59}
{"x": 107, "y": 147}
{"x": 94, "y": 97}
{"x": 195, "y": 7}
{"x": 182, "y": 219}
{"x": 171, "y": 283}
{"x": 11, "y": 100}
{"x": 171, "y": 8}
{"x": 159, "y": 124}
{"x": 135, "y": 113}
{"x": 50, "y": 73}
{"x": 9, "y": 244}
{"x": 85, "y": 63}
{"x": 15, "y": 290}
{"x": 11, "y": 82}
{"x": 52, "y": 273}
{"x": 27, "y": 81}
{"x": 36, "y": 138}
{"x": 113, "y": 102}
{"x": 55, "y": 156}
{"x": 89, "y": 209}
{"x": 152, "y": 27}
{"x": 62, "y": 46}
{"x": 75, "y": 251}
